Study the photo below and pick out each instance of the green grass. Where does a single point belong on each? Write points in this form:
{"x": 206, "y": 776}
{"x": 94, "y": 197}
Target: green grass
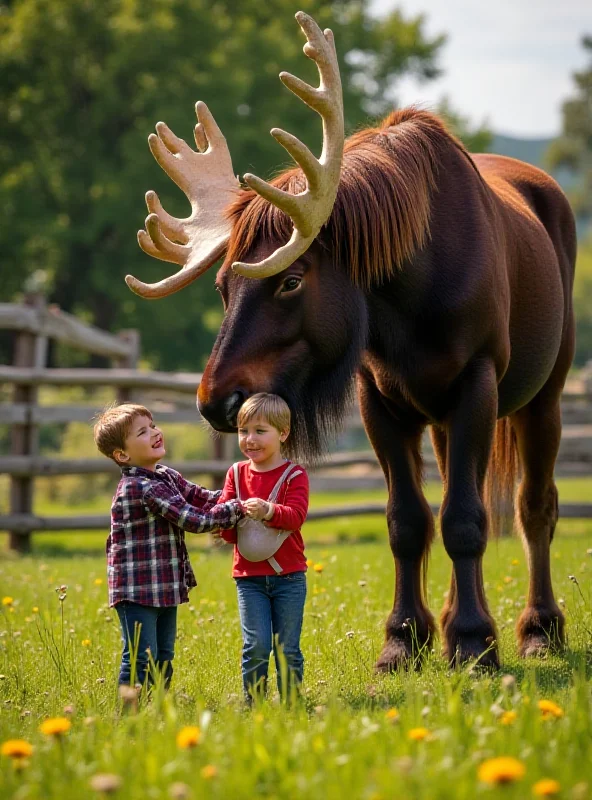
{"x": 340, "y": 741}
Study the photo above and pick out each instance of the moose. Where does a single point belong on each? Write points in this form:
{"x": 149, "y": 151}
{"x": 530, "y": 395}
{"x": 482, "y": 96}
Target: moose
{"x": 436, "y": 282}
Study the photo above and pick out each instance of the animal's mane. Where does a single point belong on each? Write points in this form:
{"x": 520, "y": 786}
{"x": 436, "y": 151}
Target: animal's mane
{"x": 381, "y": 215}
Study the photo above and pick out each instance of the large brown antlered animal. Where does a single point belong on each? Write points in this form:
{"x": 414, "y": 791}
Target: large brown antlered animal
{"x": 439, "y": 282}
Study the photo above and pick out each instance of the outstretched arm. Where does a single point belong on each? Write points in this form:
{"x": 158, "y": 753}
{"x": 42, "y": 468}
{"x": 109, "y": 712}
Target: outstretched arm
{"x": 228, "y": 493}
{"x": 162, "y": 500}
{"x": 194, "y": 494}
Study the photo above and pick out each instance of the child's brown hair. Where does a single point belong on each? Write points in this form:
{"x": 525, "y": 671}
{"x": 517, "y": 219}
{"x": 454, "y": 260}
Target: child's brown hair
{"x": 113, "y": 426}
{"x": 269, "y": 407}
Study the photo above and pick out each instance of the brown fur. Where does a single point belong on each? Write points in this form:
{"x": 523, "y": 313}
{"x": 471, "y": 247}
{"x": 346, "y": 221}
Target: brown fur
{"x": 392, "y": 168}
{"x": 442, "y": 283}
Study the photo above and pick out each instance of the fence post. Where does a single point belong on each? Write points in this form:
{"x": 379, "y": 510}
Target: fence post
{"x": 132, "y": 337}
{"x": 30, "y": 350}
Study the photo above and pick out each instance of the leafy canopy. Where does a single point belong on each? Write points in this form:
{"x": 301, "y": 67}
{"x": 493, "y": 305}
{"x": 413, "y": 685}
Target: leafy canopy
{"x": 83, "y": 83}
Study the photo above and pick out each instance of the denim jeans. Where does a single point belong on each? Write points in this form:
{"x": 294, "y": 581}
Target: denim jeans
{"x": 157, "y": 629}
{"x": 271, "y": 609}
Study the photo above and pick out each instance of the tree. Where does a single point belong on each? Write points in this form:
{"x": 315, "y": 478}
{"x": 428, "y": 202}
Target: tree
{"x": 477, "y": 140}
{"x": 83, "y": 83}
{"x": 573, "y": 149}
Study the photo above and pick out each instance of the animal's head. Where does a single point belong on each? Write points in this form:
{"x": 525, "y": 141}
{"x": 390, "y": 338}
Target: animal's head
{"x": 298, "y": 251}
{"x": 280, "y": 333}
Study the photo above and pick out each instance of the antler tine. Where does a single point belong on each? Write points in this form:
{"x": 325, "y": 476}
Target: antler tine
{"x": 310, "y": 209}
{"x": 208, "y": 181}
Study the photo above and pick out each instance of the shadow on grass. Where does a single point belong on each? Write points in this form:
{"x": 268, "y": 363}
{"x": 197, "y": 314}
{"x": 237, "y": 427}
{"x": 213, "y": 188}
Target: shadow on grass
{"x": 541, "y": 677}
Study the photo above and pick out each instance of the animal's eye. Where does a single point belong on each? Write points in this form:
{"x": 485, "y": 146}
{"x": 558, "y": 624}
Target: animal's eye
{"x": 290, "y": 284}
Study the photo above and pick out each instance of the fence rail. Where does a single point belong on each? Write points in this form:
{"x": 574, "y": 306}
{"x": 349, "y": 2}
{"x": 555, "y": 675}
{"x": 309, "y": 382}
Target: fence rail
{"x": 24, "y": 523}
{"x": 173, "y": 396}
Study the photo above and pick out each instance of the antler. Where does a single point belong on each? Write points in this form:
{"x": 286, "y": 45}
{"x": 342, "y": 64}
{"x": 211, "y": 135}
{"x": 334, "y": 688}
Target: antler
{"x": 206, "y": 177}
{"x": 310, "y": 209}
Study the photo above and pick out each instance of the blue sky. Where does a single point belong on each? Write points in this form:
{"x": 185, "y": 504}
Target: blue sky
{"x": 508, "y": 63}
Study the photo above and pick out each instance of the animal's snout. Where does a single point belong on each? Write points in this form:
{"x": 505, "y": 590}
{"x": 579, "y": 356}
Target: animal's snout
{"x": 232, "y": 405}
{"x": 222, "y": 413}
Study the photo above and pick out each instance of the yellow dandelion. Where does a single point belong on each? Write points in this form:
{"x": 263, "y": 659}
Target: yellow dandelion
{"x": 56, "y": 726}
{"x": 508, "y": 717}
{"x": 85, "y": 642}
{"x": 35, "y": 609}
{"x": 546, "y": 787}
{"x": 508, "y": 579}
{"x": 392, "y": 715}
{"x": 98, "y": 581}
{"x": 16, "y": 748}
{"x": 504, "y": 769}
{"x": 7, "y": 601}
{"x": 188, "y": 737}
{"x": 418, "y": 734}
{"x": 309, "y": 562}
{"x": 318, "y": 567}
{"x": 549, "y": 709}
{"x": 209, "y": 771}
{"x": 515, "y": 562}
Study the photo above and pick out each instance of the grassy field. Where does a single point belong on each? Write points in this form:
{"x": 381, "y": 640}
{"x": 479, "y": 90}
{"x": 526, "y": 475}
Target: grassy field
{"x": 413, "y": 735}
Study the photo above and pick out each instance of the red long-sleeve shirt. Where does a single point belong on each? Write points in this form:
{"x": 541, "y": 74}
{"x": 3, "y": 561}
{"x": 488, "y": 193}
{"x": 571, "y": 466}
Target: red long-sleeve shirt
{"x": 289, "y": 514}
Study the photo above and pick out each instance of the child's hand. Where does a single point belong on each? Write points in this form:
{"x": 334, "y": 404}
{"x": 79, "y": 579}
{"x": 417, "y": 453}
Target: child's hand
{"x": 257, "y": 508}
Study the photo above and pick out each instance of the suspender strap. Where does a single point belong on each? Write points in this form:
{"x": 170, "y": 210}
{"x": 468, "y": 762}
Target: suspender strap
{"x": 276, "y": 489}
{"x": 274, "y": 492}
{"x": 236, "y": 482}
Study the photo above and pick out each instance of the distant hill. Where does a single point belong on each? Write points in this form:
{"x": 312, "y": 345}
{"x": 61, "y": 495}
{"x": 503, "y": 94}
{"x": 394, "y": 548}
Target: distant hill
{"x": 530, "y": 150}
{"x": 533, "y": 152}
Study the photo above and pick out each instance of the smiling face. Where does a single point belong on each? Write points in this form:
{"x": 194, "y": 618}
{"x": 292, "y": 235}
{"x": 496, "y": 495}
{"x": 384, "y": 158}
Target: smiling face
{"x": 261, "y": 444}
{"x": 144, "y": 445}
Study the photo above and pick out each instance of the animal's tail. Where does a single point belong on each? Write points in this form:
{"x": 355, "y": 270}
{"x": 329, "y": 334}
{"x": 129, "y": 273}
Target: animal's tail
{"x": 500, "y": 482}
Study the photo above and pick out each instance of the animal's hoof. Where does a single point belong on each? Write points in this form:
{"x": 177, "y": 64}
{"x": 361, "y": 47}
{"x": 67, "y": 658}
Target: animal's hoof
{"x": 482, "y": 655}
{"x": 540, "y": 632}
{"x": 396, "y": 655}
{"x": 539, "y": 646}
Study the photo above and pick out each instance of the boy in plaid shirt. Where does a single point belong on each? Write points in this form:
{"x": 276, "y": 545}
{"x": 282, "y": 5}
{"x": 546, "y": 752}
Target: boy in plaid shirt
{"x": 148, "y": 565}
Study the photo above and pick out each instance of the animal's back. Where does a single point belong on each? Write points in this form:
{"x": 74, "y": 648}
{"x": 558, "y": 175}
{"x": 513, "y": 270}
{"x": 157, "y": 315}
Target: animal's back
{"x": 540, "y": 259}
{"x": 544, "y": 197}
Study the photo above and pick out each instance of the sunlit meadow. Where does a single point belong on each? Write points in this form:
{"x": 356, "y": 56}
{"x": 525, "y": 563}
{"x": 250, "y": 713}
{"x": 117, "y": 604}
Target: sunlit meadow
{"x": 435, "y": 733}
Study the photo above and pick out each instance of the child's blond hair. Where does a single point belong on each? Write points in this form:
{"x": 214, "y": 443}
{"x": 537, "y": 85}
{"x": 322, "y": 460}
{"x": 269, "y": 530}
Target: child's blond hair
{"x": 268, "y": 407}
{"x": 113, "y": 425}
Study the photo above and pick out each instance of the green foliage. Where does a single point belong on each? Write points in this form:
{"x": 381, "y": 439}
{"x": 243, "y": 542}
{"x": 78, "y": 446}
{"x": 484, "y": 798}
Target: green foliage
{"x": 573, "y": 149}
{"x": 83, "y": 84}
{"x": 60, "y": 658}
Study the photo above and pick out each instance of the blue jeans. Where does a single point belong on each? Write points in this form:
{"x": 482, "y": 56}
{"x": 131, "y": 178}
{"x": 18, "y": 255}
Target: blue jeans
{"x": 271, "y": 608}
{"x": 154, "y": 629}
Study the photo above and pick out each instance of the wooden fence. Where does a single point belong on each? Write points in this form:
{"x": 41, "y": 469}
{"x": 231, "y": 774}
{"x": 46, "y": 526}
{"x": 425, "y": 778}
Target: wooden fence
{"x": 174, "y": 395}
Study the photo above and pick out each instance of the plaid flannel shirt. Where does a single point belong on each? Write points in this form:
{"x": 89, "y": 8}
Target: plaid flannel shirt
{"x": 147, "y": 559}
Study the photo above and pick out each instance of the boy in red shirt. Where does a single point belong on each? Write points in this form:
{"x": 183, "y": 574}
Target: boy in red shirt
{"x": 271, "y": 593}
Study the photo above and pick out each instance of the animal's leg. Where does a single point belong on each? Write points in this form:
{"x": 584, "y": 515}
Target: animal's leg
{"x": 538, "y": 432}
{"x": 410, "y": 625}
{"x": 468, "y": 629}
